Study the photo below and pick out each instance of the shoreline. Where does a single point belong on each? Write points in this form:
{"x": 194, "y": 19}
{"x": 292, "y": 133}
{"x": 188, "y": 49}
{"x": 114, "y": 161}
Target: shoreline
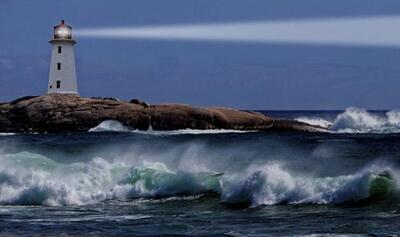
{"x": 54, "y": 113}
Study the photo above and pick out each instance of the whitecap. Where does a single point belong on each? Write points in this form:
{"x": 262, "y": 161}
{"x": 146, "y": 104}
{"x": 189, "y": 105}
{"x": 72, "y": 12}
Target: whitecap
{"x": 271, "y": 184}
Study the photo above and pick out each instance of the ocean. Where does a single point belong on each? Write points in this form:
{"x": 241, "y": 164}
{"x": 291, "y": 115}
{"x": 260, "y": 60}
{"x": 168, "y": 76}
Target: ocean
{"x": 115, "y": 182}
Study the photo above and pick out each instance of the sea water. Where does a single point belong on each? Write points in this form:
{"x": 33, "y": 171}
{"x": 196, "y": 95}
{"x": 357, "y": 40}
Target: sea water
{"x": 113, "y": 181}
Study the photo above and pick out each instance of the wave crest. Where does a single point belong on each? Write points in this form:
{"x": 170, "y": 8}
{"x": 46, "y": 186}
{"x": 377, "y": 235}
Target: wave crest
{"x": 359, "y": 120}
{"x": 32, "y": 179}
{"x": 273, "y": 185}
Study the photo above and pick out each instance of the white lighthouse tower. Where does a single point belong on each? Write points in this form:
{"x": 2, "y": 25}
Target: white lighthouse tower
{"x": 62, "y": 76}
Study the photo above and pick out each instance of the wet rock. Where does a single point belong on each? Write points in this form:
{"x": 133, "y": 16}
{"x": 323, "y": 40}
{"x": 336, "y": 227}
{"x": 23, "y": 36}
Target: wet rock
{"x": 72, "y": 113}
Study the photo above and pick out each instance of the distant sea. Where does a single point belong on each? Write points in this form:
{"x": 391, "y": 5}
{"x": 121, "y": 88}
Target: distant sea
{"x": 115, "y": 182}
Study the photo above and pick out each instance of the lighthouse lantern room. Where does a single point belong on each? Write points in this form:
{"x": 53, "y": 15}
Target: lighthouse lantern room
{"x": 62, "y": 76}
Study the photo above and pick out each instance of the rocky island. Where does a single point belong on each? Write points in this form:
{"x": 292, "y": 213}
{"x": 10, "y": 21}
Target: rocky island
{"x": 71, "y": 113}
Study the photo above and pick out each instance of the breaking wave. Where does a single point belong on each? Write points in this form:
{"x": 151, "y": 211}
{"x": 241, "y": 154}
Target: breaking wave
{"x": 33, "y": 179}
{"x": 116, "y": 126}
{"x": 358, "y": 120}
{"x": 109, "y": 126}
{"x": 271, "y": 185}
{"x": 315, "y": 121}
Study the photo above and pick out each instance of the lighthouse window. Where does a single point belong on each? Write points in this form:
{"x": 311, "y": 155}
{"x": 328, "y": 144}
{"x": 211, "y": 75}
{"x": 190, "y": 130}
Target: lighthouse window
{"x": 58, "y": 84}
{"x": 58, "y": 66}
{"x": 59, "y": 49}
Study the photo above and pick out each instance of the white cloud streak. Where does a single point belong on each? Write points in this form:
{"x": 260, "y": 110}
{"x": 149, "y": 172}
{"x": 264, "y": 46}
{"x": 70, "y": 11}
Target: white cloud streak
{"x": 362, "y": 31}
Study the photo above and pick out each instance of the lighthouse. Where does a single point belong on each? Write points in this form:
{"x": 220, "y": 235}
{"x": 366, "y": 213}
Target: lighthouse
{"x": 62, "y": 76}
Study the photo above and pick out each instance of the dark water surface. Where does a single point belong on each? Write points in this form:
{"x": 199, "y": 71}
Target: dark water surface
{"x": 206, "y": 183}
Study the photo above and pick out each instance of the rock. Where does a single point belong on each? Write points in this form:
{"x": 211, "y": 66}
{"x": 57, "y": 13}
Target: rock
{"x": 72, "y": 113}
{"x": 21, "y": 99}
{"x": 138, "y": 102}
{"x": 105, "y": 98}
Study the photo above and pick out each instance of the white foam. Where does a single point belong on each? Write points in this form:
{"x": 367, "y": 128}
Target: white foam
{"x": 394, "y": 117}
{"x": 116, "y": 126}
{"x": 270, "y": 184}
{"x": 188, "y": 131}
{"x": 7, "y": 134}
{"x": 315, "y": 121}
{"x": 359, "y": 120}
{"x": 32, "y": 179}
{"x": 109, "y": 126}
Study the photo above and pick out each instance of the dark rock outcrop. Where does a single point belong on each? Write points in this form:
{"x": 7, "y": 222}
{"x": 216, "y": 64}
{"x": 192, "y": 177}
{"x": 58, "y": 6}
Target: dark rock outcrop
{"x": 139, "y": 102}
{"x": 72, "y": 113}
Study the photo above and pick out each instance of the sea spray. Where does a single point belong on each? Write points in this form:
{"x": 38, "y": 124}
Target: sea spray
{"x": 32, "y": 179}
{"x": 394, "y": 117}
{"x": 270, "y": 184}
{"x": 358, "y": 120}
{"x": 40, "y": 183}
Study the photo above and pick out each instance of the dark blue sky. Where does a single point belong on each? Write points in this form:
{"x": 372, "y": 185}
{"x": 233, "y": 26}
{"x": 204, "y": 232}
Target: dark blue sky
{"x": 241, "y": 75}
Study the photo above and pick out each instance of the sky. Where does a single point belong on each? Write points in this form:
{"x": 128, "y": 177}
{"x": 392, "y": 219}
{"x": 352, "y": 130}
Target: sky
{"x": 246, "y": 75}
